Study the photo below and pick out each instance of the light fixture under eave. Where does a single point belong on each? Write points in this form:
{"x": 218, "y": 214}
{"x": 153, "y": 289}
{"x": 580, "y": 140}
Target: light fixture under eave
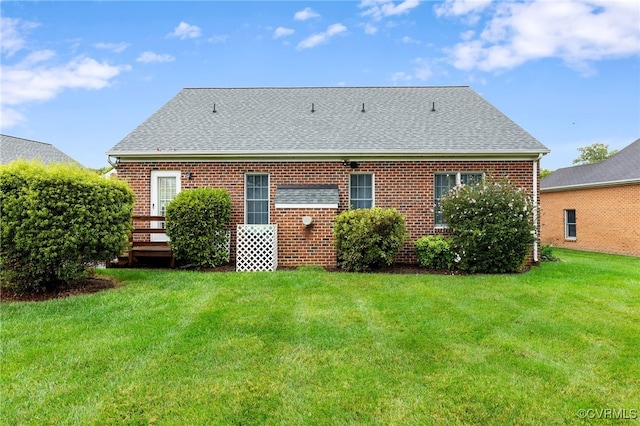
{"x": 188, "y": 175}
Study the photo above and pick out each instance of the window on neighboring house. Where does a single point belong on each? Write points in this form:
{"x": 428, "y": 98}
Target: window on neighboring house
{"x": 570, "y": 224}
{"x": 257, "y": 199}
{"x": 445, "y": 182}
{"x": 361, "y": 191}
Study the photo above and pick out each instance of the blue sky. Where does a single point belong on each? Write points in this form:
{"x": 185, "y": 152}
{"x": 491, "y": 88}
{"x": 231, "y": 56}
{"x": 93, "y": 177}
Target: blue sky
{"x": 82, "y": 75}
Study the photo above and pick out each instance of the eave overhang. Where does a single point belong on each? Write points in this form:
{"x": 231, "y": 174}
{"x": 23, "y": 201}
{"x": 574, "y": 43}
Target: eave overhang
{"x": 324, "y": 155}
{"x": 591, "y": 185}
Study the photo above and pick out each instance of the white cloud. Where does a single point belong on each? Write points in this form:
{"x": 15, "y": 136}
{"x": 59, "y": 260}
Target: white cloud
{"x": 422, "y": 72}
{"x": 282, "y": 32}
{"x": 576, "y": 31}
{"x": 222, "y": 38}
{"x": 323, "y": 37}
{"x": 34, "y": 80}
{"x": 400, "y": 77}
{"x": 409, "y": 40}
{"x": 379, "y": 9}
{"x": 305, "y": 14}
{"x": 11, "y": 34}
{"x": 114, "y": 47}
{"x": 10, "y": 117}
{"x": 370, "y": 29}
{"x": 184, "y": 31}
{"x": 461, "y": 7}
{"x": 150, "y": 57}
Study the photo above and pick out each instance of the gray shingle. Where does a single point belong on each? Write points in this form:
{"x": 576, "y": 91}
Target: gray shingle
{"x": 623, "y": 166}
{"x": 13, "y": 148}
{"x": 255, "y": 121}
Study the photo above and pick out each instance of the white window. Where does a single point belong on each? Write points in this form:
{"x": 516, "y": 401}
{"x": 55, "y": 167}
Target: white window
{"x": 570, "y": 224}
{"x": 165, "y": 185}
{"x": 443, "y": 183}
{"x": 361, "y": 191}
{"x": 256, "y": 199}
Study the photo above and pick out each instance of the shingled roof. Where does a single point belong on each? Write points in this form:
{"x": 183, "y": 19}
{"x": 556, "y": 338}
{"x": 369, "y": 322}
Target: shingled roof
{"x": 13, "y": 148}
{"x": 327, "y": 122}
{"x": 621, "y": 168}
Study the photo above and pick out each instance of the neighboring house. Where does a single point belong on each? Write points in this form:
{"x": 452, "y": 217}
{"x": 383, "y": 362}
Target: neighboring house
{"x": 594, "y": 207}
{"x": 13, "y": 148}
{"x": 288, "y": 156}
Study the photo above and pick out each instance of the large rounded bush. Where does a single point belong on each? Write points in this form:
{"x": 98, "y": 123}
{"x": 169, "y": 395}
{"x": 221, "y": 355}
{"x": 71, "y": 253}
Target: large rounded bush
{"x": 197, "y": 225}
{"x": 56, "y": 220}
{"x": 368, "y": 238}
{"x": 491, "y": 226}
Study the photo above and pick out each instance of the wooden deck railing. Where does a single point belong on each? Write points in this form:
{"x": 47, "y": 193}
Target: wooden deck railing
{"x": 147, "y": 248}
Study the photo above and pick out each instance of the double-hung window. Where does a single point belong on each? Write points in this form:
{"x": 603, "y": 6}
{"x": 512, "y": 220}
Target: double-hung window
{"x": 257, "y": 199}
{"x": 443, "y": 183}
{"x": 570, "y": 224}
{"x": 361, "y": 191}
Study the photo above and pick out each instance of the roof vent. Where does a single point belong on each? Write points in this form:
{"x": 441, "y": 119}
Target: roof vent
{"x": 433, "y": 107}
{"x": 214, "y": 108}
{"x": 362, "y": 107}
{"x": 313, "y": 109}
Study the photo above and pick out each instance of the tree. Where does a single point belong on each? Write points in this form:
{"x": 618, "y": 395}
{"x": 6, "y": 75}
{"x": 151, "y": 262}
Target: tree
{"x": 545, "y": 172}
{"x": 594, "y": 153}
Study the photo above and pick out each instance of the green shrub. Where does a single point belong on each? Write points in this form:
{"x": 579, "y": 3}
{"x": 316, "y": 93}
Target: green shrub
{"x": 435, "y": 252}
{"x": 491, "y": 226}
{"x": 368, "y": 238}
{"x": 546, "y": 254}
{"x": 56, "y": 220}
{"x": 197, "y": 225}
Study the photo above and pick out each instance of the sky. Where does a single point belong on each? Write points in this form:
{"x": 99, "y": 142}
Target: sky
{"x": 83, "y": 75}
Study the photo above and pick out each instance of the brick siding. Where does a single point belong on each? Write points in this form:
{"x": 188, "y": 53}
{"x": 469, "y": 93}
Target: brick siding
{"x": 406, "y": 185}
{"x": 607, "y": 219}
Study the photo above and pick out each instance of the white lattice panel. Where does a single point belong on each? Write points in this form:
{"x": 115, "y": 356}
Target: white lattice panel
{"x": 257, "y": 248}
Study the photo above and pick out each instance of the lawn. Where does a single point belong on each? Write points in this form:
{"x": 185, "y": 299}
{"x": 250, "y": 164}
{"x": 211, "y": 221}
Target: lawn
{"x": 314, "y": 347}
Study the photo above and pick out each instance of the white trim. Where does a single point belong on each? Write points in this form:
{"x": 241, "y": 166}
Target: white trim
{"x": 373, "y": 186}
{"x": 311, "y": 156}
{"x": 268, "y": 196}
{"x": 306, "y": 206}
{"x": 566, "y": 225}
{"x": 590, "y": 185}
{"x": 535, "y": 210}
{"x": 153, "y": 196}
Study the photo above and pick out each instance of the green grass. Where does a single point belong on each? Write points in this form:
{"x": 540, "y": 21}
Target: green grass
{"x": 310, "y": 347}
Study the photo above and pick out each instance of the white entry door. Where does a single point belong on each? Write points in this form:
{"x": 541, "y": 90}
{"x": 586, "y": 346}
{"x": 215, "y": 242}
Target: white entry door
{"x": 164, "y": 187}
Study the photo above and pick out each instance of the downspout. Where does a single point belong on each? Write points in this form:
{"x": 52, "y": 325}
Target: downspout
{"x": 535, "y": 208}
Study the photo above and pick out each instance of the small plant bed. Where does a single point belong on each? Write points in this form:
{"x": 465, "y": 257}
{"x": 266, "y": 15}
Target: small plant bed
{"x": 86, "y": 286}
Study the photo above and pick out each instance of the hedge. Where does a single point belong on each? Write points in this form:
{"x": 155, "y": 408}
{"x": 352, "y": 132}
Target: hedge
{"x": 56, "y": 220}
{"x": 197, "y": 225}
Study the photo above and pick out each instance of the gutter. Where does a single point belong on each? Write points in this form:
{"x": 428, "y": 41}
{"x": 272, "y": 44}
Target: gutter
{"x": 590, "y": 185}
{"x": 322, "y": 155}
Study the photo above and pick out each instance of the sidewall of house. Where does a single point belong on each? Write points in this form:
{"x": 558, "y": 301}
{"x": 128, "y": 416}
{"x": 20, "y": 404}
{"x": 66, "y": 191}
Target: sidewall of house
{"x": 607, "y": 219}
{"x": 407, "y": 186}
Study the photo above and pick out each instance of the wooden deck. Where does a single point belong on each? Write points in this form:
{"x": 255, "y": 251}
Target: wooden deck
{"x": 139, "y": 250}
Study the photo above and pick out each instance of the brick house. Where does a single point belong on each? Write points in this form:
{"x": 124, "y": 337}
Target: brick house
{"x": 288, "y": 156}
{"x": 594, "y": 207}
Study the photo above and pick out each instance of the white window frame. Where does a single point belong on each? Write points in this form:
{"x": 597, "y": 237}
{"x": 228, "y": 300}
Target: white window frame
{"x": 567, "y": 224}
{"x": 153, "y": 195}
{"x": 373, "y": 187}
{"x": 458, "y": 176}
{"x": 246, "y": 204}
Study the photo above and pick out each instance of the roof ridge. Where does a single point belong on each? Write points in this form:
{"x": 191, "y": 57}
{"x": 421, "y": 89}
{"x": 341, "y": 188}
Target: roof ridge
{"x": 324, "y": 87}
{"x": 25, "y": 139}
